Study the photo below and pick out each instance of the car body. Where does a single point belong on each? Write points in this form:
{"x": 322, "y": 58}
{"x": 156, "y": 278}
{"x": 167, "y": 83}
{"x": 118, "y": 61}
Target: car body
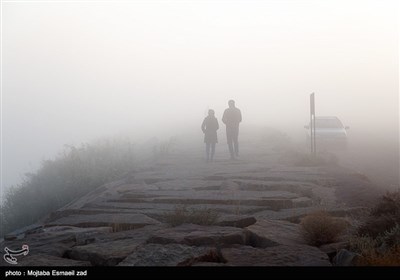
{"x": 330, "y": 133}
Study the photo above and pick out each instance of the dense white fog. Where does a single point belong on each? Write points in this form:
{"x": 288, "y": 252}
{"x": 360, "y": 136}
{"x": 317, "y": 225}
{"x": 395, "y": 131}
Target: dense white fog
{"x": 75, "y": 72}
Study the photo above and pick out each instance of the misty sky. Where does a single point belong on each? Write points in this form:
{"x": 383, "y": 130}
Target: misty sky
{"x": 74, "y": 71}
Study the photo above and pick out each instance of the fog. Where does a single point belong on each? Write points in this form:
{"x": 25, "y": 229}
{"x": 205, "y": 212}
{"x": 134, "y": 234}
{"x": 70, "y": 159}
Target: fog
{"x": 75, "y": 72}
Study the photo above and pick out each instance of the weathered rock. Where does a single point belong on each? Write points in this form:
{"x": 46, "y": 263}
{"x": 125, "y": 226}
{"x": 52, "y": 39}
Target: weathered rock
{"x": 229, "y": 185}
{"x": 148, "y": 208}
{"x": 282, "y": 255}
{"x": 302, "y": 202}
{"x": 105, "y": 253}
{"x": 289, "y": 176}
{"x": 10, "y": 237}
{"x": 345, "y": 258}
{"x": 209, "y": 264}
{"x": 117, "y": 221}
{"x": 333, "y": 248}
{"x": 85, "y": 238}
{"x": 294, "y": 215}
{"x": 82, "y": 235}
{"x": 239, "y": 221}
{"x": 169, "y": 255}
{"x": 181, "y": 184}
{"x": 143, "y": 233}
{"x": 21, "y": 232}
{"x": 99, "y": 194}
{"x": 254, "y": 185}
{"x": 55, "y": 241}
{"x": 302, "y": 188}
{"x": 272, "y": 199}
{"x": 110, "y": 249}
{"x": 291, "y": 214}
{"x": 48, "y": 260}
{"x": 40, "y": 246}
{"x": 266, "y": 233}
{"x": 197, "y": 235}
{"x": 68, "y": 212}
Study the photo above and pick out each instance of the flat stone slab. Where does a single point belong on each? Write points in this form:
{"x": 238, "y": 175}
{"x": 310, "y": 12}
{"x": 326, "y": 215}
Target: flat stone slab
{"x": 163, "y": 208}
{"x": 271, "y": 203}
{"x": 239, "y": 221}
{"x": 182, "y": 184}
{"x": 302, "y": 202}
{"x": 333, "y": 248}
{"x": 197, "y": 235}
{"x": 276, "y": 177}
{"x": 262, "y": 185}
{"x": 273, "y": 199}
{"x": 282, "y": 255}
{"x": 55, "y": 241}
{"x": 224, "y": 194}
{"x": 297, "y": 169}
{"x": 291, "y": 214}
{"x": 208, "y": 264}
{"x": 21, "y": 232}
{"x": 105, "y": 253}
{"x": 143, "y": 233}
{"x": 110, "y": 249}
{"x": 294, "y": 215}
{"x": 267, "y": 233}
{"x": 117, "y": 221}
{"x": 169, "y": 255}
{"x": 82, "y": 235}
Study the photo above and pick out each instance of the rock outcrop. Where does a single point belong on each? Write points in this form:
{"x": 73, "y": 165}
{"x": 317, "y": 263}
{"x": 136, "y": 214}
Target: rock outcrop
{"x": 257, "y": 202}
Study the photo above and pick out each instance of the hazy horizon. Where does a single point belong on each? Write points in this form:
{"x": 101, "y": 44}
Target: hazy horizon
{"x": 75, "y": 72}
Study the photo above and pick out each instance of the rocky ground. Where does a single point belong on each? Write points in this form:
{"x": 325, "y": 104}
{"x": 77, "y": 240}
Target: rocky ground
{"x": 253, "y": 204}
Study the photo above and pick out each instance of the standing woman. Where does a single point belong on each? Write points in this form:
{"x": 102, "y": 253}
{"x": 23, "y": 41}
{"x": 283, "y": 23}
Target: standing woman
{"x": 210, "y": 126}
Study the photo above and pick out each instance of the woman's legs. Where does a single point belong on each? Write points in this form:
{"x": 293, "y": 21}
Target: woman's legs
{"x": 208, "y": 151}
{"x": 212, "y": 151}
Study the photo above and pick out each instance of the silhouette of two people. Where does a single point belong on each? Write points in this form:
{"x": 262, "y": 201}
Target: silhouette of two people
{"x": 231, "y": 118}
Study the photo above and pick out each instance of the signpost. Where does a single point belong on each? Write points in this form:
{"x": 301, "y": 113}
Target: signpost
{"x": 312, "y": 125}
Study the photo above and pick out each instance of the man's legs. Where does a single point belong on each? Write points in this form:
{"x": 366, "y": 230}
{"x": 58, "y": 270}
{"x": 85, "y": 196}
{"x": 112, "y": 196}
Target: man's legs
{"x": 236, "y": 141}
{"x": 229, "y": 138}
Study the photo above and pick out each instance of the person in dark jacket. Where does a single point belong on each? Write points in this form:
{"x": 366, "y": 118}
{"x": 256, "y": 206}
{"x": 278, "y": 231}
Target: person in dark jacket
{"x": 209, "y": 127}
{"x": 231, "y": 118}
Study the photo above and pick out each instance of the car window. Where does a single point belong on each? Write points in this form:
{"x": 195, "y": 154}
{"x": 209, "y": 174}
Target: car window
{"x": 328, "y": 123}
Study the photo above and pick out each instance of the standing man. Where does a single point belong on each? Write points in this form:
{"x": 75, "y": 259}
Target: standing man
{"x": 231, "y": 118}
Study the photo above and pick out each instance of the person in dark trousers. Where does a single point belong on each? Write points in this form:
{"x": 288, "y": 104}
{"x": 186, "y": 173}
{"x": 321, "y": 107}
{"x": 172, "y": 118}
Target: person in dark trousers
{"x": 209, "y": 127}
{"x": 231, "y": 118}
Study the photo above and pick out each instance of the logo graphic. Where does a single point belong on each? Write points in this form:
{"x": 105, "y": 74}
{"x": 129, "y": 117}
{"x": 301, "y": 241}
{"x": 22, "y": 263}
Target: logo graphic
{"x": 9, "y": 255}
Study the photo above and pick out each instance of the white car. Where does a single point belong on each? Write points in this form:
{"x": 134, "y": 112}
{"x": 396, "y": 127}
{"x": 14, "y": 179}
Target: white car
{"x": 330, "y": 133}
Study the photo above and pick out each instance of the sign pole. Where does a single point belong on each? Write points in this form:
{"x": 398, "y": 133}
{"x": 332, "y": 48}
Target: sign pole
{"x": 312, "y": 125}
{"x": 315, "y": 132}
